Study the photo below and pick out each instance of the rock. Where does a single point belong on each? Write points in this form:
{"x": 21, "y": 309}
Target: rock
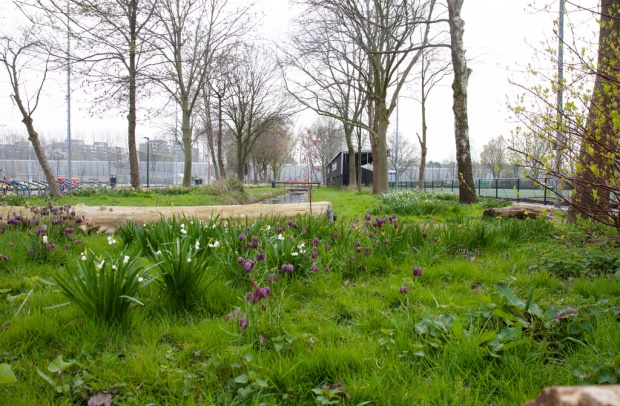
{"x": 100, "y": 399}
{"x": 519, "y": 211}
{"x": 604, "y": 395}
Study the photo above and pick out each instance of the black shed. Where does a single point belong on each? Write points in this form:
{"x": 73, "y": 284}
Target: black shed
{"x": 338, "y": 169}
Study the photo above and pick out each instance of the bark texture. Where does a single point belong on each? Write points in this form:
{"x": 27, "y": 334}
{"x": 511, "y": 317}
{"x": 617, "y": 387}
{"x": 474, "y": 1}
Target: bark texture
{"x": 467, "y": 190}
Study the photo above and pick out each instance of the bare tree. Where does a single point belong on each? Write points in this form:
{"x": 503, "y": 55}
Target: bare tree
{"x": 330, "y": 137}
{"x": 110, "y": 50}
{"x": 18, "y": 56}
{"x": 494, "y": 156}
{"x": 407, "y": 154}
{"x": 256, "y": 103}
{"x": 272, "y": 149}
{"x": 432, "y": 71}
{"x": 467, "y": 189}
{"x": 386, "y": 33}
{"x": 191, "y": 34}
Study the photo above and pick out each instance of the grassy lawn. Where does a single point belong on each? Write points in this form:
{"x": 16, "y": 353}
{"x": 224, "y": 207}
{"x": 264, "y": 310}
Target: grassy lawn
{"x": 405, "y": 299}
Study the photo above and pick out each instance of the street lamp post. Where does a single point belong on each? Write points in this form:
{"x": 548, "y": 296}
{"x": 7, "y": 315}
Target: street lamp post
{"x": 148, "y": 153}
{"x": 3, "y": 147}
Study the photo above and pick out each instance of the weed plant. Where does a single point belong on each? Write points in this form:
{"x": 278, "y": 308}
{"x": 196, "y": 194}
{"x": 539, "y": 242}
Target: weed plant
{"x": 375, "y": 308}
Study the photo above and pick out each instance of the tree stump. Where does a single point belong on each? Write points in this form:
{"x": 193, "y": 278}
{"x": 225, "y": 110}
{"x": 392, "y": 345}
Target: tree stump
{"x": 604, "y": 395}
{"x": 519, "y": 211}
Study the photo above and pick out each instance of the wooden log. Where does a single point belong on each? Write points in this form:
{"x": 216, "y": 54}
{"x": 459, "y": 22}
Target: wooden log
{"x": 520, "y": 211}
{"x": 604, "y": 395}
{"x": 106, "y": 218}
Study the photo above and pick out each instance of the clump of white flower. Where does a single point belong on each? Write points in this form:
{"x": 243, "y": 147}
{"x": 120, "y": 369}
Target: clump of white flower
{"x": 125, "y": 259}
{"x": 214, "y": 245}
{"x": 83, "y": 257}
{"x": 114, "y": 267}
{"x": 280, "y": 236}
{"x": 197, "y": 245}
{"x": 111, "y": 240}
{"x": 100, "y": 265}
{"x": 189, "y": 259}
{"x": 44, "y": 239}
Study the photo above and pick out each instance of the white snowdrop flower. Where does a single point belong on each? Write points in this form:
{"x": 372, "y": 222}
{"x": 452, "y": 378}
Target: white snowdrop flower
{"x": 280, "y": 237}
{"x": 100, "y": 265}
{"x": 182, "y": 225}
{"x": 197, "y": 246}
{"x": 301, "y": 245}
{"x": 214, "y": 226}
{"x": 214, "y": 245}
{"x": 83, "y": 257}
{"x": 44, "y": 239}
{"x": 294, "y": 254}
{"x": 189, "y": 260}
{"x": 183, "y": 231}
{"x": 125, "y": 259}
{"x": 268, "y": 227}
{"x": 191, "y": 222}
{"x": 158, "y": 253}
{"x": 140, "y": 279}
{"x": 114, "y": 267}
{"x": 143, "y": 224}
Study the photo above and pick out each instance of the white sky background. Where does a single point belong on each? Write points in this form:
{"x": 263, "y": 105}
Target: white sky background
{"x": 499, "y": 36}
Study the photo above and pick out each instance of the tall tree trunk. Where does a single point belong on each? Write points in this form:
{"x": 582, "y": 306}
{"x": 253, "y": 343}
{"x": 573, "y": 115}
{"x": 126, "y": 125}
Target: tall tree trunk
{"x": 186, "y": 129}
{"x": 220, "y": 126}
{"x": 33, "y": 136}
{"x": 595, "y": 169}
{"x": 379, "y": 154}
{"x": 348, "y": 135}
{"x": 467, "y": 190}
{"x": 209, "y": 130}
{"x": 422, "y": 141}
{"x": 134, "y": 167}
{"x": 358, "y": 160}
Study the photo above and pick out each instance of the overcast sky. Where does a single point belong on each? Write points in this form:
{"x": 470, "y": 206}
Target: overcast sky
{"x": 499, "y": 36}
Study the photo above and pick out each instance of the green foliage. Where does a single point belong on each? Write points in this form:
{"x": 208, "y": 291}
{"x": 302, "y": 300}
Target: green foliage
{"x": 104, "y": 289}
{"x": 569, "y": 260}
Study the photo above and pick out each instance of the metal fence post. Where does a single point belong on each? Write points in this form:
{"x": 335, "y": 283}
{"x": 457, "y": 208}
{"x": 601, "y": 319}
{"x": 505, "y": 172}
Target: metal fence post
{"x": 518, "y": 190}
{"x": 545, "y": 188}
{"x": 496, "y": 186}
{"x": 479, "y": 189}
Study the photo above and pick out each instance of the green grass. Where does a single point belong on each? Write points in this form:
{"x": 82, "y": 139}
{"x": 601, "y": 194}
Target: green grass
{"x": 499, "y": 312}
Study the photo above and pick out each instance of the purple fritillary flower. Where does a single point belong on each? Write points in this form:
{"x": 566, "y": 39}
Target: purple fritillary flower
{"x": 248, "y": 229}
{"x": 328, "y": 247}
{"x": 326, "y": 268}
{"x": 272, "y": 278}
{"x": 367, "y": 217}
{"x": 314, "y": 268}
{"x": 303, "y": 231}
{"x": 31, "y": 251}
{"x": 403, "y": 290}
{"x": 78, "y": 242}
{"x": 248, "y": 265}
{"x": 243, "y": 324}
{"x": 316, "y": 241}
{"x": 260, "y": 256}
{"x": 279, "y": 230}
{"x": 239, "y": 260}
{"x": 414, "y": 250}
{"x": 417, "y": 272}
{"x": 242, "y": 237}
{"x": 11, "y": 245}
{"x": 6, "y": 257}
{"x": 314, "y": 254}
{"x": 380, "y": 207}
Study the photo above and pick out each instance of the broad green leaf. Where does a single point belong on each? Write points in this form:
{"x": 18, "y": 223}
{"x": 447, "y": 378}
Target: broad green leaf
{"x": 487, "y": 336}
{"x": 241, "y": 379}
{"x": 6, "y": 374}
{"x": 505, "y": 291}
{"x": 244, "y": 391}
{"x": 457, "y": 329}
{"x": 3, "y": 291}
{"x": 59, "y": 365}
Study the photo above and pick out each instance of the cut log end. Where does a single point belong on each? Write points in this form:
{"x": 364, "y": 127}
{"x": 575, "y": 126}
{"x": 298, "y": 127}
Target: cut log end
{"x": 604, "y": 395}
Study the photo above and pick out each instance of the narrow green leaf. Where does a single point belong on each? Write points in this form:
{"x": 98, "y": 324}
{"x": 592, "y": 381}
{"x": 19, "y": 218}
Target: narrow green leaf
{"x": 505, "y": 291}
{"x": 46, "y": 378}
